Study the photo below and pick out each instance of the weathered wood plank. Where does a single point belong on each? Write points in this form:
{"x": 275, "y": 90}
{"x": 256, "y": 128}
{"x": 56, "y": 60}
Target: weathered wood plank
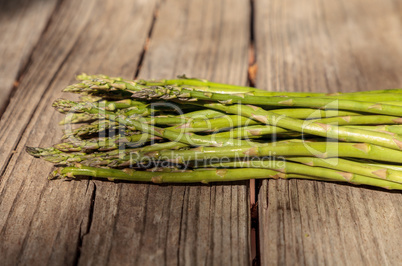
{"x": 43, "y": 222}
{"x": 315, "y": 45}
{"x": 155, "y": 225}
{"x": 18, "y": 38}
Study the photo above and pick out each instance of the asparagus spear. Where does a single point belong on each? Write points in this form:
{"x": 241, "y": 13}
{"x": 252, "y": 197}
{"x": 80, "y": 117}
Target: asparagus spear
{"x": 315, "y": 149}
{"x": 188, "y": 138}
{"x": 326, "y": 103}
{"x": 106, "y": 82}
{"x": 201, "y": 175}
{"x": 351, "y": 166}
{"x": 189, "y": 176}
{"x": 96, "y": 82}
{"x": 296, "y": 168}
{"x": 388, "y": 129}
{"x": 78, "y": 118}
{"x": 314, "y": 128}
{"x": 361, "y": 120}
{"x": 69, "y": 156}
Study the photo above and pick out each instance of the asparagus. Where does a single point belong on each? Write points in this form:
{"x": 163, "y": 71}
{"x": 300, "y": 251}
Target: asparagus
{"x": 315, "y": 149}
{"x": 314, "y": 128}
{"x": 93, "y": 83}
{"x": 67, "y": 156}
{"x": 78, "y": 118}
{"x": 226, "y": 117}
{"x": 105, "y": 82}
{"x": 295, "y": 168}
{"x": 205, "y": 175}
{"x": 188, "y": 138}
{"x": 388, "y": 129}
{"x": 353, "y": 167}
{"x": 362, "y": 120}
{"x": 189, "y": 176}
{"x": 324, "y": 103}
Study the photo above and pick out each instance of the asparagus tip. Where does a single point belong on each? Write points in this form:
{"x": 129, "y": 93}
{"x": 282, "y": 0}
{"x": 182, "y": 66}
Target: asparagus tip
{"x": 35, "y": 152}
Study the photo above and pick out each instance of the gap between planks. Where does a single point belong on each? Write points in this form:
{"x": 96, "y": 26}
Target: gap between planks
{"x": 254, "y": 184}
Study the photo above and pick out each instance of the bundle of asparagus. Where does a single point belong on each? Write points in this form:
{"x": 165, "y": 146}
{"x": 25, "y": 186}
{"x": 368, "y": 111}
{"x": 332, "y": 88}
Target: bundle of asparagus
{"x": 191, "y": 130}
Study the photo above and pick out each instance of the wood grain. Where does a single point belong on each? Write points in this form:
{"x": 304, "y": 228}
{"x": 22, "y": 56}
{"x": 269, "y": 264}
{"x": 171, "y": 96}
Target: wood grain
{"x": 43, "y": 222}
{"x": 18, "y": 38}
{"x": 189, "y": 225}
{"x": 328, "y": 46}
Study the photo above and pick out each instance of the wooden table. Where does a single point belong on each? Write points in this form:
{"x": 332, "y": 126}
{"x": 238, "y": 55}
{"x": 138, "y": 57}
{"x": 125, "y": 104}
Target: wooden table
{"x": 303, "y": 45}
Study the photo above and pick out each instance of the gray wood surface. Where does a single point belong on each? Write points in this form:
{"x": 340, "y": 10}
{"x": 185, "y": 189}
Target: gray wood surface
{"x": 188, "y": 225}
{"x": 21, "y": 25}
{"x": 328, "y": 46}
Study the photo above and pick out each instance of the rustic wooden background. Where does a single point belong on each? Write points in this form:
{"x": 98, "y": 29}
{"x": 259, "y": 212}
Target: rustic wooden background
{"x": 294, "y": 45}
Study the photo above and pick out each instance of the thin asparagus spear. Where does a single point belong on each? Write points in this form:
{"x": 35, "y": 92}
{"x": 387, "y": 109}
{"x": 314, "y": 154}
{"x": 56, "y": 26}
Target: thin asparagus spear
{"x": 105, "y": 144}
{"x": 388, "y": 166}
{"x": 389, "y": 129}
{"x": 351, "y": 166}
{"x": 122, "y": 104}
{"x": 256, "y": 132}
{"x": 96, "y": 82}
{"x": 206, "y": 86}
{"x": 78, "y": 118}
{"x": 296, "y": 168}
{"x": 259, "y": 131}
{"x": 93, "y": 128}
{"x": 188, "y": 138}
{"x": 315, "y": 149}
{"x": 311, "y": 113}
{"x": 193, "y": 176}
{"x": 326, "y": 103}
{"x": 362, "y": 120}
{"x": 189, "y": 176}
{"x": 314, "y": 128}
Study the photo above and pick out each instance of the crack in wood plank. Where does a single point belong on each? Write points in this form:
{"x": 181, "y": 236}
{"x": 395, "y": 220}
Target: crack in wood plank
{"x": 17, "y": 54}
{"x": 147, "y": 41}
{"x": 87, "y": 228}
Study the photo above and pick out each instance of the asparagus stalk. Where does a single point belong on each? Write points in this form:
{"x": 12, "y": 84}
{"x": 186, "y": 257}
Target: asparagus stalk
{"x": 323, "y": 103}
{"x": 351, "y": 166}
{"x": 199, "y": 175}
{"x": 315, "y": 149}
{"x": 122, "y": 104}
{"x": 361, "y": 120}
{"x": 188, "y": 138}
{"x": 188, "y": 176}
{"x": 296, "y": 168}
{"x": 314, "y": 128}
{"x": 78, "y": 118}
{"x": 106, "y": 82}
{"x": 388, "y": 166}
{"x": 95, "y": 82}
{"x": 68, "y": 156}
{"x": 388, "y": 129}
